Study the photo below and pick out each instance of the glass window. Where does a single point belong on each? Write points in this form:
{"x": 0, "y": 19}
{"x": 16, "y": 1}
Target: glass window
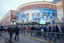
{"x": 19, "y": 18}
{"x": 26, "y": 17}
{"x": 20, "y": 13}
{"x": 27, "y": 6}
{"x": 38, "y": 14}
{"x": 34, "y": 16}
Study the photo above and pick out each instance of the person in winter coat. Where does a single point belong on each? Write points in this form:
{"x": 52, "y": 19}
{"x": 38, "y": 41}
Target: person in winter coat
{"x": 28, "y": 30}
{"x": 17, "y": 33}
{"x": 55, "y": 28}
{"x": 10, "y": 31}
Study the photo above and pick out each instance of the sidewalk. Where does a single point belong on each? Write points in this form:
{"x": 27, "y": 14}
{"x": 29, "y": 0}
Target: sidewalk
{"x": 23, "y": 38}
{"x": 6, "y": 38}
{"x": 43, "y": 40}
{"x": 2, "y": 40}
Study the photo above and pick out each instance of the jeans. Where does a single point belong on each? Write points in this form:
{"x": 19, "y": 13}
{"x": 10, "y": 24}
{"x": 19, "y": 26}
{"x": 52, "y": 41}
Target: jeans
{"x": 10, "y": 37}
{"x": 17, "y": 37}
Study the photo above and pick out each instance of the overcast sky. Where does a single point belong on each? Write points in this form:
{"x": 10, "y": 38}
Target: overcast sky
{"x": 6, "y": 5}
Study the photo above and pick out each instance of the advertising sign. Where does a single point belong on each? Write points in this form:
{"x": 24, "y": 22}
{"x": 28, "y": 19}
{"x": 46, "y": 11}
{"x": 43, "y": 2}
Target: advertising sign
{"x": 42, "y": 21}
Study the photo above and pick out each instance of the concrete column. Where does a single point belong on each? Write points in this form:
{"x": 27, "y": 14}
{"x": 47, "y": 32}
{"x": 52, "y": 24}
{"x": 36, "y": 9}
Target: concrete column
{"x": 30, "y": 17}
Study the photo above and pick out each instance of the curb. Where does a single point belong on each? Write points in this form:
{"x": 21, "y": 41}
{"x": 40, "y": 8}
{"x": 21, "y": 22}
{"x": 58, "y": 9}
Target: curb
{"x": 34, "y": 38}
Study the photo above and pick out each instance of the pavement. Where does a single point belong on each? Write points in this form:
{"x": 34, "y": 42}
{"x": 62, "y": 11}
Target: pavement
{"x": 22, "y": 39}
{"x": 1, "y": 40}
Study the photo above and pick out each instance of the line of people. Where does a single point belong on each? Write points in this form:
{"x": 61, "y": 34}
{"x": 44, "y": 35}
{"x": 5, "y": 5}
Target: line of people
{"x": 10, "y": 29}
{"x": 34, "y": 30}
{"x": 38, "y": 30}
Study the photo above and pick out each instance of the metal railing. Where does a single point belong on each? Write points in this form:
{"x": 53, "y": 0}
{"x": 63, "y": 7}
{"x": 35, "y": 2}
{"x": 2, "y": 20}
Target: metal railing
{"x": 55, "y": 37}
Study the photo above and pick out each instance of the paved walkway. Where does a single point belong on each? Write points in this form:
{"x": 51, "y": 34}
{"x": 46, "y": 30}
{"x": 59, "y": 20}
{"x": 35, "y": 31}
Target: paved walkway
{"x": 2, "y": 40}
{"x": 22, "y": 39}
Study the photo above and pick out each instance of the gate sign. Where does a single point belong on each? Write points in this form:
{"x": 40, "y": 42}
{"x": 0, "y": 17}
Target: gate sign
{"x": 42, "y": 21}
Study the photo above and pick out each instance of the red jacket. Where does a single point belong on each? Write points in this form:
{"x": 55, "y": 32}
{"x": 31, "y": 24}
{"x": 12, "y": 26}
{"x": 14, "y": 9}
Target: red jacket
{"x": 27, "y": 29}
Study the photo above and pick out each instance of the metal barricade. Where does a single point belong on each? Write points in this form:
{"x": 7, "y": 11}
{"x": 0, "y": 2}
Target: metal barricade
{"x": 22, "y": 31}
{"x": 54, "y": 37}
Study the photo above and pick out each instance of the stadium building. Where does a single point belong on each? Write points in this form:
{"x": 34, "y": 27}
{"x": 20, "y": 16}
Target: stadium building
{"x": 39, "y": 11}
{"x": 36, "y": 12}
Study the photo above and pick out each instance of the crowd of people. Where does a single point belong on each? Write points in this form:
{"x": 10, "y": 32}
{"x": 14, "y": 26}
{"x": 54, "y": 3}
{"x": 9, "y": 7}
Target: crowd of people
{"x": 45, "y": 28}
{"x": 10, "y": 29}
{"x": 31, "y": 29}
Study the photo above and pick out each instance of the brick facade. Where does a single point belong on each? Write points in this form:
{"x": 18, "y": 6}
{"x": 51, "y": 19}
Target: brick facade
{"x": 34, "y": 5}
{"x": 59, "y": 6}
{"x": 63, "y": 7}
{"x": 8, "y": 18}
